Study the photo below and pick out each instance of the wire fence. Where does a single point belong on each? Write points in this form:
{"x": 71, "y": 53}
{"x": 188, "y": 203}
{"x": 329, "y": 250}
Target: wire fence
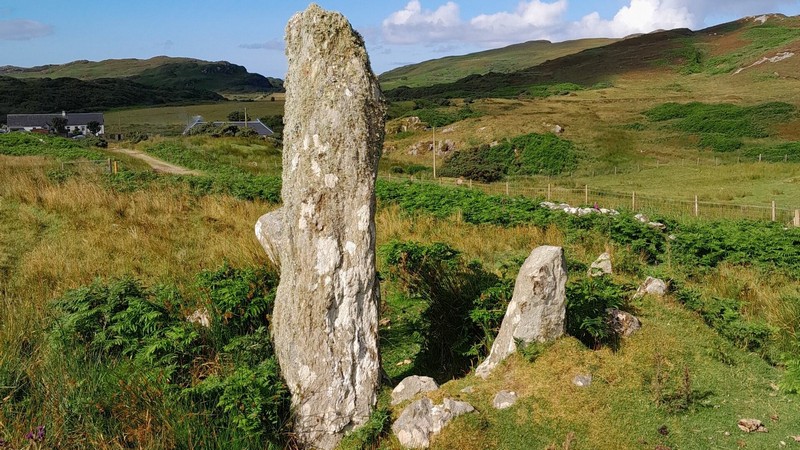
{"x": 107, "y": 165}
{"x": 683, "y": 209}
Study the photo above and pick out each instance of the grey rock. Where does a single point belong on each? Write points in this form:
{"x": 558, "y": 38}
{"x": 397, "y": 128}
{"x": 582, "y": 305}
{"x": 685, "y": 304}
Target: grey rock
{"x": 653, "y": 286}
{"x": 623, "y": 323}
{"x": 412, "y": 386}
{"x": 601, "y": 266}
{"x": 537, "y": 308}
{"x": 582, "y": 380}
{"x": 421, "y": 420}
{"x": 325, "y": 320}
{"x": 468, "y": 390}
{"x": 504, "y": 399}
{"x": 269, "y": 232}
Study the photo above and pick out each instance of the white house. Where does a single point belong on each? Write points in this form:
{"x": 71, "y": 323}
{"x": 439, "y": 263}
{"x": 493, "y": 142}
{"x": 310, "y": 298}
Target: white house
{"x": 75, "y": 121}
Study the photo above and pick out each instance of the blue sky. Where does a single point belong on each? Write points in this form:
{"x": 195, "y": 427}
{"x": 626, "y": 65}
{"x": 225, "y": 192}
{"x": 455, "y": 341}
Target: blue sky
{"x": 401, "y": 32}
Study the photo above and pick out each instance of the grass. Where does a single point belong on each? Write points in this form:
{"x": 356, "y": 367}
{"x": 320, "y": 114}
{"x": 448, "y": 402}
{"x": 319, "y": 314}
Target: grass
{"x": 172, "y": 120}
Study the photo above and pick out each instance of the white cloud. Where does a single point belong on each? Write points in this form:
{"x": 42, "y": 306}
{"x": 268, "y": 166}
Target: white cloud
{"x": 412, "y": 24}
{"x": 640, "y": 16}
{"x": 23, "y": 30}
{"x": 546, "y": 19}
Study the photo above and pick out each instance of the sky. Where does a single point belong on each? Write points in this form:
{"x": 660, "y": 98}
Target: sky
{"x": 397, "y": 32}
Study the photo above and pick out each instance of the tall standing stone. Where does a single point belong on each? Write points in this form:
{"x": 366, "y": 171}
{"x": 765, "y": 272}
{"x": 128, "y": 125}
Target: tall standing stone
{"x": 325, "y": 321}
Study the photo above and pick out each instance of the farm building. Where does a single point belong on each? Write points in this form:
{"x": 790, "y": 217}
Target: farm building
{"x": 75, "y": 121}
{"x": 256, "y": 125}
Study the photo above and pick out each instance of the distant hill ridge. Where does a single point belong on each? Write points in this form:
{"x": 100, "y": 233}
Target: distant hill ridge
{"x": 718, "y": 50}
{"x": 160, "y": 71}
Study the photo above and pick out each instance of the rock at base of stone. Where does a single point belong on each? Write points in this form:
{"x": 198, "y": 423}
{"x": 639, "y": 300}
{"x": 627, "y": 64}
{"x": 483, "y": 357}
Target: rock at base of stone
{"x": 622, "y": 323}
{"x": 537, "y": 308}
{"x": 504, "y": 399}
{"x": 601, "y": 266}
{"x": 421, "y": 420}
{"x": 269, "y": 232}
{"x": 412, "y": 386}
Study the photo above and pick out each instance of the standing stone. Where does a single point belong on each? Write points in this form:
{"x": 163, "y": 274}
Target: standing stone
{"x": 325, "y": 320}
{"x": 537, "y": 308}
{"x": 652, "y": 286}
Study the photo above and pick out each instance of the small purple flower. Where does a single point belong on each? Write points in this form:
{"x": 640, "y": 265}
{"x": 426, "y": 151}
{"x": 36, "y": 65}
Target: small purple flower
{"x": 36, "y": 435}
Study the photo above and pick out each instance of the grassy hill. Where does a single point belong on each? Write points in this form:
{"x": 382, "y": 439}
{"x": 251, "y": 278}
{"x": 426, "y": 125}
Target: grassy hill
{"x": 502, "y": 60}
{"x": 160, "y": 71}
{"x": 719, "y": 50}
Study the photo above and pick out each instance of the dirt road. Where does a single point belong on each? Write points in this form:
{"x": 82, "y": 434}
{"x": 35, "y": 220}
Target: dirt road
{"x": 157, "y": 164}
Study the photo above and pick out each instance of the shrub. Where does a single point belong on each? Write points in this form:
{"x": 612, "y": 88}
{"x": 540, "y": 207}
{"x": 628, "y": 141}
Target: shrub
{"x": 131, "y": 330}
{"x": 438, "y": 275}
{"x": 588, "y": 299}
{"x": 530, "y": 154}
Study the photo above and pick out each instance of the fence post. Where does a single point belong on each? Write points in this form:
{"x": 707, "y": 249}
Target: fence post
{"x": 586, "y": 194}
{"x": 548, "y": 192}
{"x": 797, "y": 217}
{"x": 615, "y": 170}
{"x": 696, "y": 207}
{"x": 633, "y": 200}
{"x": 773, "y": 211}
{"x": 470, "y": 183}
{"x": 759, "y": 157}
{"x": 109, "y": 165}
{"x": 116, "y": 168}
{"x": 506, "y": 188}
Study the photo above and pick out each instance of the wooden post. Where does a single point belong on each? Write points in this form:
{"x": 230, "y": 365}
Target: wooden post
{"x": 759, "y": 157}
{"x": 773, "y": 211}
{"x": 696, "y": 207}
{"x": 506, "y": 188}
{"x": 586, "y": 194}
{"x": 785, "y": 158}
{"x": 615, "y": 170}
{"x": 470, "y": 183}
{"x": 797, "y": 217}
{"x": 116, "y": 168}
{"x": 110, "y": 169}
{"x": 548, "y": 192}
{"x": 633, "y": 200}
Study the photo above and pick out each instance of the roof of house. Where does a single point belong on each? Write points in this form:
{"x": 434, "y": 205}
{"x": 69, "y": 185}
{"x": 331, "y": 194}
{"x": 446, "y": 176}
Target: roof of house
{"x": 44, "y": 120}
{"x": 256, "y": 125}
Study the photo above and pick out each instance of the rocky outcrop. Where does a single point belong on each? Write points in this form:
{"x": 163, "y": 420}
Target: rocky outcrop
{"x": 582, "y": 380}
{"x": 537, "y": 308}
{"x": 653, "y": 286}
{"x": 412, "y": 386}
{"x": 422, "y": 420}
{"x": 504, "y": 399}
{"x": 601, "y": 266}
{"x": 622, "y": 323}
{"x": 325, "y": 320}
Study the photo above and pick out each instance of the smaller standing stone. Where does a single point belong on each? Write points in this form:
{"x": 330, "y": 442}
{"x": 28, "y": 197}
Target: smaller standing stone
{"x": 601, "y": 266}
{"x": 537, "y": 308}
{"x": 421, "y": 420}
{"x": 623, "y": 323}
{"x": 582, "y": 380}
{"x": 412, "y": 386}
{"x": 504, "y": 399}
